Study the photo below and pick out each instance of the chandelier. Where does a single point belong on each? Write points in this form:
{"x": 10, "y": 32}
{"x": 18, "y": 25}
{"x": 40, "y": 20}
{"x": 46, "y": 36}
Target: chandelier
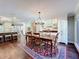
{"x": 39, "y": 21}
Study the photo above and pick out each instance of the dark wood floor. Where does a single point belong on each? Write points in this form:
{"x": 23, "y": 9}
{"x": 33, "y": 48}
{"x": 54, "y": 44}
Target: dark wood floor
{"x": 71, "y": 52}
{"x": 12, "y": 51}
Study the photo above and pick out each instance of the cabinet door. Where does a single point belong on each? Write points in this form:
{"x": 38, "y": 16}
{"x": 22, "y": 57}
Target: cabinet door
{"x": 62, "y": 29}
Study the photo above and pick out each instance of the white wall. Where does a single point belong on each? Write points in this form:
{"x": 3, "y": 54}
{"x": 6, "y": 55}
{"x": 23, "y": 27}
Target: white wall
{"x": 76, "y": 28}
{"x": 77, "y": 32}
{"x": 71, "y": 26}
{"x": 62, "y": 29}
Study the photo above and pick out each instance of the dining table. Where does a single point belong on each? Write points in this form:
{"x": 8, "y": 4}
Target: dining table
{"x": 47, "y": 38}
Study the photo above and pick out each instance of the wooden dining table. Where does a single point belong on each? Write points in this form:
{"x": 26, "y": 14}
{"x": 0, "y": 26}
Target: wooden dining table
{"x": 46, "y": 38}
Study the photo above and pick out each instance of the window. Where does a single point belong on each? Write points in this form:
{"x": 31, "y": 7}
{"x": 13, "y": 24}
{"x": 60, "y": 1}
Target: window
{"x": 1, "y": 28}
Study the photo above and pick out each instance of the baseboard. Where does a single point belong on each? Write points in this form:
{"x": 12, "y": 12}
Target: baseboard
{"x": 75, "y": 47}
{"x": 69, "y": 43}
{"x": 72, "y": 44}
{"x": 62, "y": 43}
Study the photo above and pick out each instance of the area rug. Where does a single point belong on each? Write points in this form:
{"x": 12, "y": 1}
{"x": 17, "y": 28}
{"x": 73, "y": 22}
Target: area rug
{"x": 44, "y": 50}
{"x": 60, "y": 55}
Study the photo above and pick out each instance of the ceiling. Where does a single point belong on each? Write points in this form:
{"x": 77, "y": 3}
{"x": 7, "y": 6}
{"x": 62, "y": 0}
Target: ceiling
{"x": 27, "y": 10}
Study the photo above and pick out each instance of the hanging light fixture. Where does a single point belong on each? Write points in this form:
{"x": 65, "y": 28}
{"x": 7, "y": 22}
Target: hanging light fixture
{"x": 39, "y": 21}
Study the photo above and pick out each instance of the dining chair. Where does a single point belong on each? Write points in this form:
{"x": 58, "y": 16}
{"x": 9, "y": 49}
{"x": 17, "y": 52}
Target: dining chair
{"x": 55, "y": 37}
{"x": 29, "y": 38}
{"x": 55, "y": 41}
{"x": 37, "y": 34}
{"x": 38, "y": 41}
{"x": 54, "y": 44}
{"x": 47, "y": 44}
{"x": 29, "y": 33}
{"x": 37, "y": 45}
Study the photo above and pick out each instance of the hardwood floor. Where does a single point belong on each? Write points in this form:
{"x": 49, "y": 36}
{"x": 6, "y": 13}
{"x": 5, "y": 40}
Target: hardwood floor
{"x": 12, "y": 51}
{"x": 71, "y": 52}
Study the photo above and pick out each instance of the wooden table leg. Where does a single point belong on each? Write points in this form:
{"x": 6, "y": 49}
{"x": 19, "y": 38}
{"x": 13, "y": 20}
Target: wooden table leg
{"x": 51, "y": 48}
{"x": 4, "y": 38}
{"x": 26, "y": 40}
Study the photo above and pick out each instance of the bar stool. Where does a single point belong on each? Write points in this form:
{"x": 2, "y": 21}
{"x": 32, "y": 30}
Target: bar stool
{"x": 8, "y": 37}
{"x": 14, "y": 37}
{"x": 1, "y": 39}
